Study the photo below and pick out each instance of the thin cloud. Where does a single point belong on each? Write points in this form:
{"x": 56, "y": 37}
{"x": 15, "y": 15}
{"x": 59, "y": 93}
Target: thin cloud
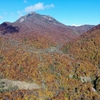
{"x": 11, "y": 14}
{"x": 49, "y": 6}
{"x": 65, "y": 22}
{"x": 19, "y": 13}
{"x": 38, "y": 6}
{"x": 75, "y": 25}
{"x": 25, "y": 1}
{"x": 1, "y": 17}
{"x": 5, "y": 13}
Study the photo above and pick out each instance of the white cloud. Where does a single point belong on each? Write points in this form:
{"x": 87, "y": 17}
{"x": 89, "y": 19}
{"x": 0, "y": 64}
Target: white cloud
{"x": 38, "y": 6}
{"x": 25, "y": 1}
{"x": 11, "y": 14}
{"x": 49, "y": 6}
{"x": 5, "y": 13}
{"x": 1, "y": 17}
{"x": 75, "y": 25}
{"x": 64, "y": 22}
{"x": 19, "y": 13}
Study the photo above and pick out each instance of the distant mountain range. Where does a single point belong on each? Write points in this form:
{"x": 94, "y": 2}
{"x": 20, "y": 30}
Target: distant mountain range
{"x": 81, "y": 29}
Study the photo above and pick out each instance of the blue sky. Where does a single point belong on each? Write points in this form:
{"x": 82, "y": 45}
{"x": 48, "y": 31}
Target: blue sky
{"x": 69, "y": 12}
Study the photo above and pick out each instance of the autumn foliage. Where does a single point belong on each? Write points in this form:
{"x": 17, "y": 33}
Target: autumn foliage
{"x": 71, "y": 73}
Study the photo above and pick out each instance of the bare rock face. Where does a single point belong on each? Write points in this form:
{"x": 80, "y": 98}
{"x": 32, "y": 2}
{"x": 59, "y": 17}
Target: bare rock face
{"x": 98, "y": 85}
{"x": 85, "y": 79}
{"x": 7, "y": 84}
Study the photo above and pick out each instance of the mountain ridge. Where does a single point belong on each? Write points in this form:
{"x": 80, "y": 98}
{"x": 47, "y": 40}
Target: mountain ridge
{"x": 34, "y": 25}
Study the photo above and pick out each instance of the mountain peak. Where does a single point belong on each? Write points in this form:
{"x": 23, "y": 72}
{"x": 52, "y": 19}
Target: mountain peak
{"x": 34, "y": 17}
{"x": 30, "y": 14}
{"x": 23, "y": 18}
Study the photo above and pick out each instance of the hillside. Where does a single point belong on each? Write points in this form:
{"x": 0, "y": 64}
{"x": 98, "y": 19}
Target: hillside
{"x": 87, "y": 49}
{"x": 53, "y": 71}
{"x": 81, "y": 29}
{"x": 87, "y": 46}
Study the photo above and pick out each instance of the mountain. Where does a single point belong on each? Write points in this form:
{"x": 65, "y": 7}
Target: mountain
{"x": 41, "y": 29}
{"x": 81, "y": 29}
{"x": 38, "y": 30}
{"x": 48, "y": 23}
{"x": 87, "y": 48}
{"x": 45, "y": 25}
